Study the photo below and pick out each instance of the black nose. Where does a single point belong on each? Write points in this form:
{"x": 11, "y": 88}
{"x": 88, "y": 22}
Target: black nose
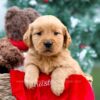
{"x": 48, "y": 44}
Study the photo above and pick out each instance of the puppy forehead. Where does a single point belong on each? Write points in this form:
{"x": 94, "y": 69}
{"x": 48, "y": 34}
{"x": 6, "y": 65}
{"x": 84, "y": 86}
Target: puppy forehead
{"x": 47, "y": 21}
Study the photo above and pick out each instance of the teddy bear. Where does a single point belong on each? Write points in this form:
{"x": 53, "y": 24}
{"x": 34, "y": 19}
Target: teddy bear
{"x": 16, "y": 24}
{"x": 12, "y": 45}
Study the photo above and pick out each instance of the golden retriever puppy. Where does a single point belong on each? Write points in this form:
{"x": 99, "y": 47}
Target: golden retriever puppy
{"x": 48, "y": 40}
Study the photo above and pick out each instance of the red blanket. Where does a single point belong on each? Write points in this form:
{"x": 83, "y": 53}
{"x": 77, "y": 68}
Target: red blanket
{"x": 76, "y": 88}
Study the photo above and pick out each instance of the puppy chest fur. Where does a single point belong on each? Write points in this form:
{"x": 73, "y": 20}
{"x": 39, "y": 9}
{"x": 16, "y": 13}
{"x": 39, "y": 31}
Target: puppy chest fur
{"x": 48, "y": 64}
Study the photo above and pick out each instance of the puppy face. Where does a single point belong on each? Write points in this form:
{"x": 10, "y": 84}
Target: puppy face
{"x": 47, "y": 35}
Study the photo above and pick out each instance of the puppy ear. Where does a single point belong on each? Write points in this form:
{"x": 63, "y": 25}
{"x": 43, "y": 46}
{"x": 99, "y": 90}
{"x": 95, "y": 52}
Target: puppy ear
{"x": 67, "y": 38}
{"x": 27, "y": 36}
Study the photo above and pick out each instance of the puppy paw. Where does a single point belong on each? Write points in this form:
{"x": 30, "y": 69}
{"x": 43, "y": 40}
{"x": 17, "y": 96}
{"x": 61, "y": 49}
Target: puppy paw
{"x": 57, "y": 87}
{"x": 30, "y": 81}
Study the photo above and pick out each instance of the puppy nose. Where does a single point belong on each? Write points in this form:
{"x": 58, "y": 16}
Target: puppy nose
{"x": 48, "y": 44}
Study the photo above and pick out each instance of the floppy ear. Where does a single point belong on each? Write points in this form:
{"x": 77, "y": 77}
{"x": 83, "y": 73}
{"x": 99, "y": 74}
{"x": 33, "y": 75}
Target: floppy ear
{"x": 27, "y": 36}
{"x": 67, "y": 38}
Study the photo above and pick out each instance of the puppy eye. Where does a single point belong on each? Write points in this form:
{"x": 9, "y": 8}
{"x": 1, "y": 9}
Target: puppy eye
{"x": 39, "y": 33}
{"x": 56, "y": 33}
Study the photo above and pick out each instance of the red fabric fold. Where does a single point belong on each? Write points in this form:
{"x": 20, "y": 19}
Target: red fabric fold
{"x": 76, "y": 88}
{"x": 19, "y": 44}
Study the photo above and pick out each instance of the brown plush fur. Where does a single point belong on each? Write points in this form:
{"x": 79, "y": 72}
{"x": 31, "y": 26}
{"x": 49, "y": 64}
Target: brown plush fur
{"x": 17, "y": 21}
{"x": 10, "y": 56}
{"x": 56, "y": 60}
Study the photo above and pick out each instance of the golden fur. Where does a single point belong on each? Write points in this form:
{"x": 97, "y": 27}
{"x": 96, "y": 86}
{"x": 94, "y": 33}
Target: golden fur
{"x": 57, "y": 61}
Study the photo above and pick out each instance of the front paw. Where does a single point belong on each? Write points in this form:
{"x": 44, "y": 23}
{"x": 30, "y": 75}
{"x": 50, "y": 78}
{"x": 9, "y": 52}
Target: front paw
{"x": 57, "y": 87}
{"x": 30, "y": 81}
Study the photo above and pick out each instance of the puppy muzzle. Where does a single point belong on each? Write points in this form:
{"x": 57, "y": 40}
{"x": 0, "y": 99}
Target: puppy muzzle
{"x": 48, "y": 44}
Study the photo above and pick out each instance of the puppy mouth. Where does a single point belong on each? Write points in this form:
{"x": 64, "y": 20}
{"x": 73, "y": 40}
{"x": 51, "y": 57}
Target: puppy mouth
{"x": 48, "y": 51}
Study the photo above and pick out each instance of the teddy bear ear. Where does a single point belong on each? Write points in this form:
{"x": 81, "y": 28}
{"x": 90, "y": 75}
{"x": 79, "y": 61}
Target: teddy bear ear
{"x": 11, "y": 12}
{"x": 31, "y": 13}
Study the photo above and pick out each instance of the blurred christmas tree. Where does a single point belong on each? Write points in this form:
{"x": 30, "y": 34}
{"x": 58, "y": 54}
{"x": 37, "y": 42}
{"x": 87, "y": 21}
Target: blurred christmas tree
{"x": 81, "y": 18}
